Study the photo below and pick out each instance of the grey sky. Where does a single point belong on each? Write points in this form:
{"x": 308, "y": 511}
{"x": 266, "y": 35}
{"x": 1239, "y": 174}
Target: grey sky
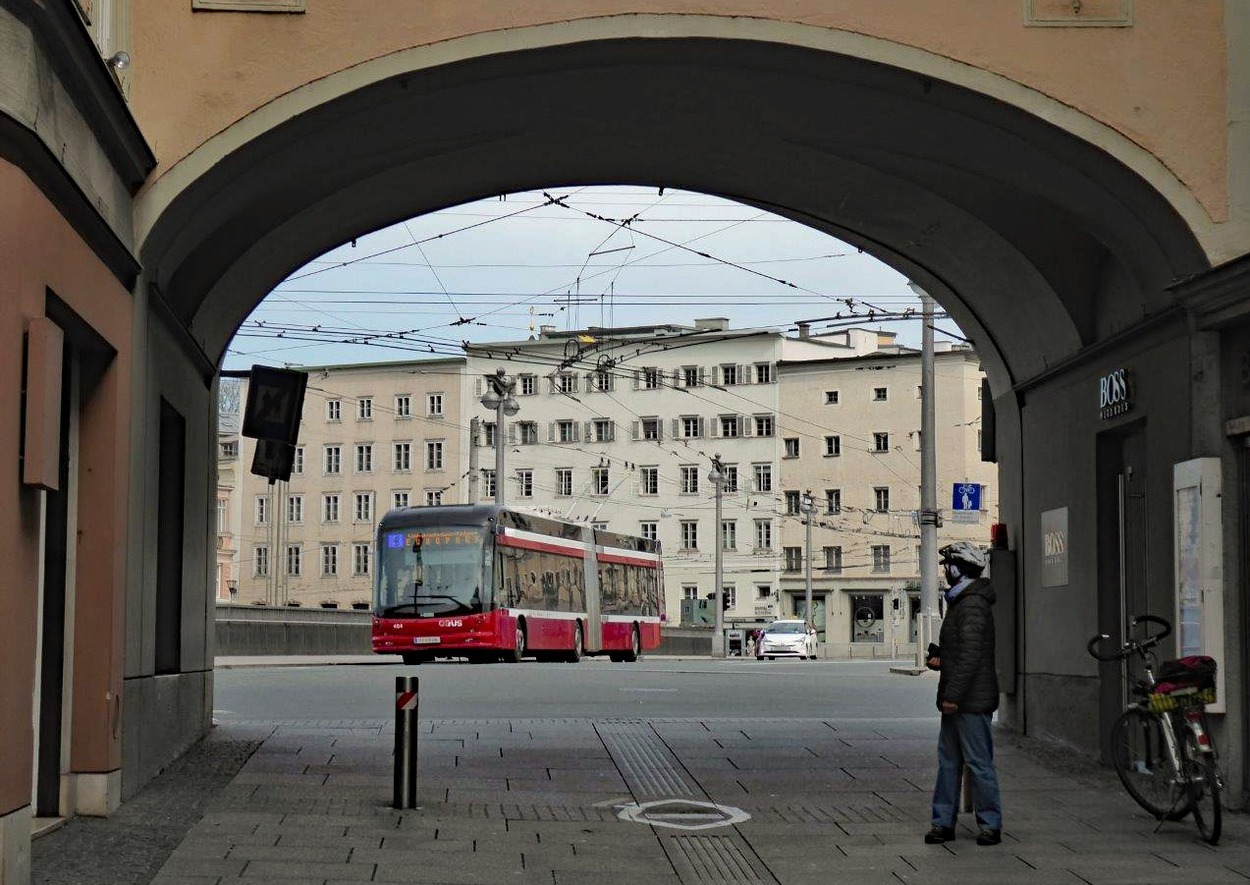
{"x": 507, "y": 266}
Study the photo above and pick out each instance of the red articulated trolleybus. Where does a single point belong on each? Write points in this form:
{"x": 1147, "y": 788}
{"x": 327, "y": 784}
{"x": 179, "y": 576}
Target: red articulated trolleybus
{"x": 486, "y": 583}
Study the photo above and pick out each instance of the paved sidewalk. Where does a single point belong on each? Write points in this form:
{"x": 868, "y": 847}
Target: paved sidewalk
{"x": 540, "y": 801}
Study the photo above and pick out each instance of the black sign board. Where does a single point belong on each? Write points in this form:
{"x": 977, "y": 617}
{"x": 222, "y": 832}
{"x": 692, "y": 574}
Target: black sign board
{"x": 275, "y": 399}
{"x": 273, "y": 460}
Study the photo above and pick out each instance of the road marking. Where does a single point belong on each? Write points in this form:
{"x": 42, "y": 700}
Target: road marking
{"x": 646, "y": 689}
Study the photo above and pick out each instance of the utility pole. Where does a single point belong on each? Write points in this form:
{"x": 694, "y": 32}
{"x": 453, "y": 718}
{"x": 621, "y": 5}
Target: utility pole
{"x": 929, "y": 516}
{"x": 717, "y": 478}
{"x": 475, "y": 429}
{"x": 808, "y": 506}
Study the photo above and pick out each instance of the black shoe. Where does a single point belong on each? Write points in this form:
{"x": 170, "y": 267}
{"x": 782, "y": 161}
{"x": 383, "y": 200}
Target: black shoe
{"x": 937, "y": 835}
{"x": 989, "y": 837}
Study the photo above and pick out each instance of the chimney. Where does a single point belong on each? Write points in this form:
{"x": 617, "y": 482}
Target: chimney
{"x": 712, "y": 324}
{"x": 805, "y": 330}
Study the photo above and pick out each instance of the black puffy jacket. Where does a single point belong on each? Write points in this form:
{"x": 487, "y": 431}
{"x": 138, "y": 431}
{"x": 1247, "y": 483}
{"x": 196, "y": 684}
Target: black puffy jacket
{"x": 968, "y": 677}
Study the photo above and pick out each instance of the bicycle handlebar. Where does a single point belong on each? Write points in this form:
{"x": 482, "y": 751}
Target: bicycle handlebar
{"x": 1131, "y": 646}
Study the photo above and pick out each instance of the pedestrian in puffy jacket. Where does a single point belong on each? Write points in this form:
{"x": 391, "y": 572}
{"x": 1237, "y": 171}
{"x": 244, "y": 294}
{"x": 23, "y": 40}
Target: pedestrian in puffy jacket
{"x": 967, "y": 696}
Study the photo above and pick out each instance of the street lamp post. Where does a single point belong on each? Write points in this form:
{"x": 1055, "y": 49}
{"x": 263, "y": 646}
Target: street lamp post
{"x": 808, "y": 506}
{"x": 499, "y": 398}
{"x": 717, "y": 477}
{"x": 930, "y": 518}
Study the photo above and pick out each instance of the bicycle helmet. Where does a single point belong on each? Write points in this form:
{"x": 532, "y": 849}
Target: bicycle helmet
{"x": 962, "y": 553}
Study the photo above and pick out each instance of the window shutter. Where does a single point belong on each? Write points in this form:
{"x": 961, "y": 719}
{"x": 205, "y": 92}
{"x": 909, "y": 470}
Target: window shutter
{"x": 677, "y": 377}
{"x": 702, "y": 376}
{"x": 676, "y": 428}
{"x": 590, "y": 381}
{"x": 746, "y": 423}
{"x": 659, "y": 429}
{"x": 701, "y": 431}
{"x": 576, "y": 432}
{"x": 636, "y": 429}
{"x": 551, "y": 431}
{"x": 715, "y": 427}
{"x": 588, "y": 429}
{"x": 512, "y": 434}
{"x": 575, "y": 383}
{"x": 611, "y": 431}
{"x": 715, "y": 374}
{"x": 551, "y": 383}
{"x": 744, "y": 375}
{"x": 637, "y": 379}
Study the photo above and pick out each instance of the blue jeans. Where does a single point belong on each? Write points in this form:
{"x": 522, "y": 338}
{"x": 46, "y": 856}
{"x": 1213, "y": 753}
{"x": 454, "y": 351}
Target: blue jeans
{"x": 966, "y": 739}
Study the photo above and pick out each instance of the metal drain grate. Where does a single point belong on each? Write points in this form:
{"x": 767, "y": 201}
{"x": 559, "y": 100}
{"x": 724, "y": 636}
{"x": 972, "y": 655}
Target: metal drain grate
{"x": 713, "y": 859}
{"x": 648, "y": 766}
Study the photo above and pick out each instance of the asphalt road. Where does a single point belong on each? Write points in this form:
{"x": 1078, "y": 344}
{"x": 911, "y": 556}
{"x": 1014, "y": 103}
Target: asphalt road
{"x": 656, "y": 688}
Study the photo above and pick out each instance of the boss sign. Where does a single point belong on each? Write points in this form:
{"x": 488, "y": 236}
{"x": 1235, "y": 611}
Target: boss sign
{"x": 1113, "y": 394}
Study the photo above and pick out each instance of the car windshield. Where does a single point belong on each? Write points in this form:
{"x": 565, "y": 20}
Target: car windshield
{"x": 428, "y": 572}
{"x": 787, "y": 627}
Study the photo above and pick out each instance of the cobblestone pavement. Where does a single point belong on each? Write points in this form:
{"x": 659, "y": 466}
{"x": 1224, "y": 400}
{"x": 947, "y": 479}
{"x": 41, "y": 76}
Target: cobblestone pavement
{"x": 655, "y": 801}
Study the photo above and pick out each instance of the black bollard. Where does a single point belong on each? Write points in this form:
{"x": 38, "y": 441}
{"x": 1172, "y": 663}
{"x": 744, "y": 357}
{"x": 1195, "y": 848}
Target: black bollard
{"x": 405, "y": 742}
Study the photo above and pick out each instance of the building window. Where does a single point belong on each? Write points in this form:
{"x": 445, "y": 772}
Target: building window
{"x": 364, "y": 408}
{"x": 564, "y": 481}
{"x": 262, "y": 510}
{"x": 433, "y": 497}
{"x": 690, "y": 376}
{"x": 399, "y": 499}
{"x": 791, "y": 446}
{"x": 689, "y": 534}
{"x": 691, "y": 427}
{"x": 364, "y": 506}
{"x": 334, "y": 410}
{"x": 792, "y": 503}
{"x": 763, "y": 477}
{"x": 566, "y": 382}
{"x": 295, "y": 508}
{"x": 488, "y": 485}
{"x": 880, "y": 394}
{"x": 527, "y": 385}
{"x": 763, "y": 534}
{"x": 329, "y": 560}
{"x": 763, "y": 425}
{"x": 650, "y": 379}
{"x": 881, "y": 442}
{"x": 689, "y": 480}
{"x": 403, "y": 406}
{"x": 229, "y": 450}
{"x": 729, "y": 534}
{"x": 728, "y": 375}
{"x": 330, "y": 507}
{"x": 434, "y": 454}
{"x": 794, "y": 558}
{"x": 361, "y": 555}
{"x": 529, "y": 433}
{"x": 566, "y": 431}
{"x": 649, "y": 482}
{"x": 260, "y": 562}
{"x": 833, "y": 559}
{"x": 729, "y": 426}
{"x": 689, "y": 591}
{"x": 599, "y": 526}
{"x": 525, "y": 483}
{"x": 604, "y": 430}
{"x": 831, "y": 397}
{"x": 602, "y": 380}
{"x": 222, "y": 509}
{"x": 650, "y": 428}
{"x": 881, "y": 498}
{"x": 333, "y": 461}
{"x": 731, "y": 478}
{"x": 599, "y": 482}
{"x": 833, "y": 500}
{"x": 833, "y": 446}
{"x": 763, "y": 591}
{"x": 649, "y": 530}
{"x": 434, "y": 405}
{"x": 294, "y": 560}
{"x": 763, "y": 373}
{"x": 297, "y": 462}
{"x": 364, "y": 457}
{"x": 489, "y": 434}
{"x": 403, "y": 457}
{"x": 880, "y": 558}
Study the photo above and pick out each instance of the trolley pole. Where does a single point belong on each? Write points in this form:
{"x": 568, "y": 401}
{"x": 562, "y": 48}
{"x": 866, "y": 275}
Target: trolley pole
{"x": 717, "y": 477}
{"x": 405, "y": 742}
{"x": 808, "y": 506}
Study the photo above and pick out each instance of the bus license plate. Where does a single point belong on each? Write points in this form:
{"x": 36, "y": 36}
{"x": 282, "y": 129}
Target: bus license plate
{"x": 425, "y": 640}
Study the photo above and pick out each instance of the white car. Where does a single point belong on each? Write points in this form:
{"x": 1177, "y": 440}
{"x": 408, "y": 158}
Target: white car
{"x": 787, "y": 639}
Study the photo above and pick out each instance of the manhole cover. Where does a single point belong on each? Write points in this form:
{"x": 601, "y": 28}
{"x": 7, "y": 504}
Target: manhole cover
{"x": 682, "y": 814}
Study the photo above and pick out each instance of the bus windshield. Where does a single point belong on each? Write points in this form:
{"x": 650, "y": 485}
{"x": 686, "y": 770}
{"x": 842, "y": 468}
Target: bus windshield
{"x": 431, "y": 572}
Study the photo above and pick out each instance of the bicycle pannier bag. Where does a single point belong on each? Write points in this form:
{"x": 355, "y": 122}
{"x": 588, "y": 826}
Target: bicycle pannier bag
{"x": 1184, "y": 682}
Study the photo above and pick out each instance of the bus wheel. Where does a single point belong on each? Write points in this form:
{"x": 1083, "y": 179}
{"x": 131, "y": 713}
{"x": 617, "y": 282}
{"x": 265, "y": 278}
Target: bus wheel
{"x": 514, "y": 656}
{"x": 578, "y": 645}
{"x": 635, "y": 647}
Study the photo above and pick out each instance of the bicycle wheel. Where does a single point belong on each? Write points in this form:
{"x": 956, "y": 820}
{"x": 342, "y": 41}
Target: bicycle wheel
{"x": 1204, "y": 790}
{"x": 1140, "y": 758}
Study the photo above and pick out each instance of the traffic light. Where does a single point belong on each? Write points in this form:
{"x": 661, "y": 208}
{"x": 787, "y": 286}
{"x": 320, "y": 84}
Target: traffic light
{"x": 724, "y": 601}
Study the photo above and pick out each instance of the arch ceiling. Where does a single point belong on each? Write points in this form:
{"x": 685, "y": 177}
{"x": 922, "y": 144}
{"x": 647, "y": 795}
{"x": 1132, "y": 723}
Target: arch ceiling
{"x": 1037, "y": 242}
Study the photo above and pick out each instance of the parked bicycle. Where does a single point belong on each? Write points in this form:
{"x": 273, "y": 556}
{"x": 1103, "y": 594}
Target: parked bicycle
{"x": 1161, "y": 744}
